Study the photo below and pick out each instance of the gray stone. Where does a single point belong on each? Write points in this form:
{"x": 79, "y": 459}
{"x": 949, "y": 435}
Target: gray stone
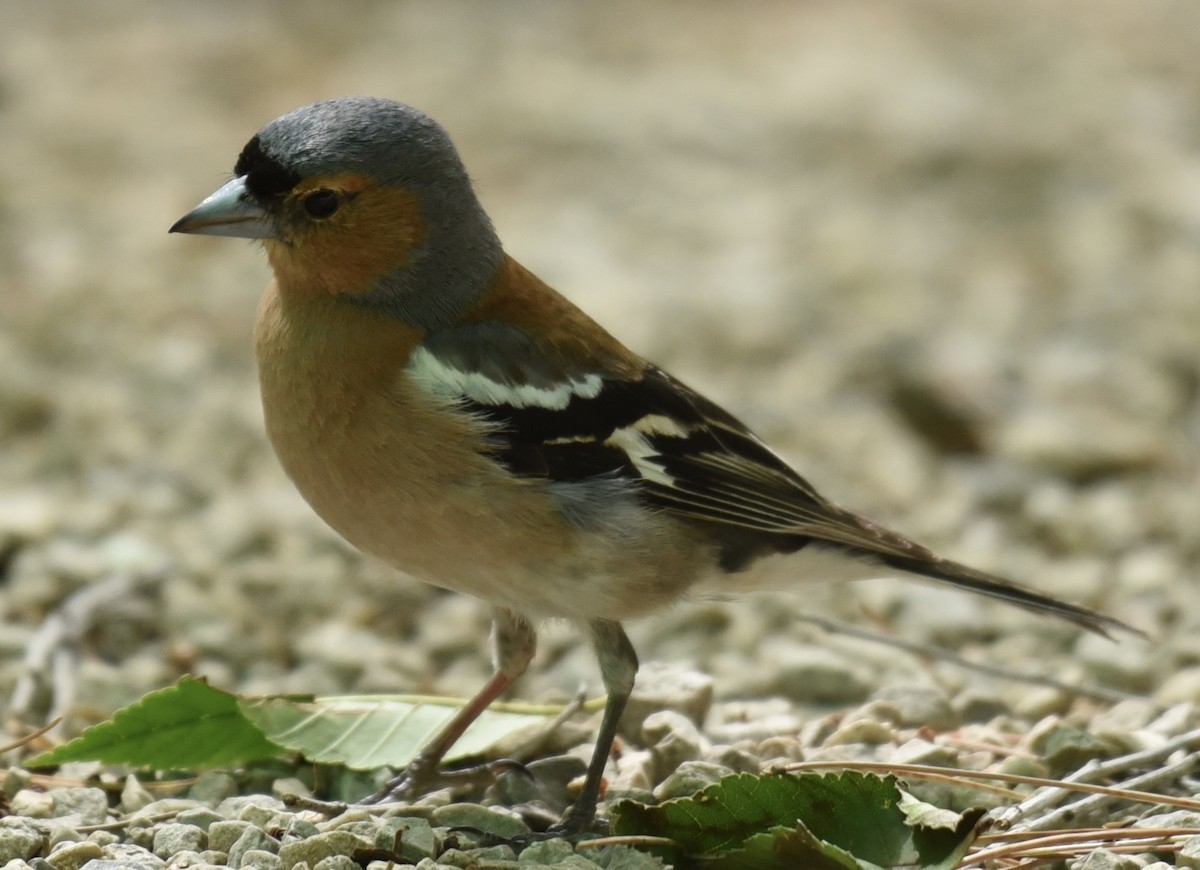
{"x": 691, "y": 777}
{"x": 187, "y": 858}
{"x": 335, "y": 862}
{"x": 233, "y": 807}
{"x": 489, "y": 854}
{"x": 168, "y": 806}
{"x": 19, "y": 839}
{"x": 1128, "y": 665}
{"x": 459, "y": 859}
{"x": 172, "y": 837}
{"x": 32, "y": 804}
{"x": 133, "y": 856}
{"x": 919, "y": 706}
{"x": 663, "y": 686}
{"x": 320, "y": 846}
{"x": 412, "y": 838}
{"x": 556, "y": 773}
{"x": 72, "y": 856}
{"x": 813, "y": 674}
{"x": 134, "y": 795}
{"x": 63, "y": 834}
{"x": 1189, "y": 853}
{"x": 212, "y": 787}
{"x": 140, "y": 832}
{"x": 673, "y": 738}
{"x": 479, "y": 818}
{"x": 15, "y": 778}
{"x": 736, "y": 759}
{"x": 1173, "y": 819}
{"x": 261, "y": 813}
{"x": 202, "y": 817}
{"x": 866, "y": 731}
{"x": 251, "y": 840}
{"x": 223, "y": 834}
{"x": 290, "y": 785}
{"x": 1103, "y": 859}
{"x": 259, "y": 859}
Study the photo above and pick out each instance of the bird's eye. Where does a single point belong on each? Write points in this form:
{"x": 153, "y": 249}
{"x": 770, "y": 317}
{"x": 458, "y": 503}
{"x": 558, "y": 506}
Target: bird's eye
{"x": 322, "y": 203}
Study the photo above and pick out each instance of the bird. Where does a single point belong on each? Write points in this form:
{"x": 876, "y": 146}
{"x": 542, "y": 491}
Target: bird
{"x": 445, "y": 410}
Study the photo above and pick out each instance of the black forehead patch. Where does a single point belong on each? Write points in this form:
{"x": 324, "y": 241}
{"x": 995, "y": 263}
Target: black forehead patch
{"x": 266, "y": 177}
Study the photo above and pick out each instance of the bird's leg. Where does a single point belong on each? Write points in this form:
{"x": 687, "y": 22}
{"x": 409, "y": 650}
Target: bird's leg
{"x": 618, "y": 667}
{"x": 513, "y": 645}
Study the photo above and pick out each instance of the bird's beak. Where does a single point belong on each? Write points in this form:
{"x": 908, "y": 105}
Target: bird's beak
{"x": 231, "y": 211}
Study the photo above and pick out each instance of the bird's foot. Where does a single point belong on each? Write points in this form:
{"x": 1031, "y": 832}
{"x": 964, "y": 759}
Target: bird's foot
{"x": 423, "y": 775}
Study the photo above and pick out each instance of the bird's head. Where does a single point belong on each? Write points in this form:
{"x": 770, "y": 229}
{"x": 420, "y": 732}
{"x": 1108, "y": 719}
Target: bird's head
{"x": 360, "y": 198}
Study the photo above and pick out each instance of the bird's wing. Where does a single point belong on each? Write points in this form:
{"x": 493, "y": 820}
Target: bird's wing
{"x": 552, "y": 420}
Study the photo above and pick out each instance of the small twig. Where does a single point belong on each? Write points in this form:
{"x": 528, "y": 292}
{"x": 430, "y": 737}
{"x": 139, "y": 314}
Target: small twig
{"x": 113, "y": 826}
{"x": 1094, "y": 770}
{"x": 920, "y": 771}
{"x": 329, "y": 809}
{"x": 1097, "y": 693}
{"x": 983, "y": 746}
{"x": 940, "y": 773}
{"x": 536, "y": 741}
{"x": 30, "y": 737}
{"x": 1084, "y": 839}
{"x": 634, "y": 841}
{"x": 52, "y": 656}
{"x": 1135, "y": 785}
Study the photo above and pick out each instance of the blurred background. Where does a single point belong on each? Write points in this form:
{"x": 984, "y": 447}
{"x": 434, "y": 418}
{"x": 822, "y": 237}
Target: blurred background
{"x": 942, "y": 255}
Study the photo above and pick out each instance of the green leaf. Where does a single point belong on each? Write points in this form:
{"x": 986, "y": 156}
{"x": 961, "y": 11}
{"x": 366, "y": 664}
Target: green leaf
{"x": 786, "y": 848}
{"x": 188, "y": 725}
{"x": 847, "y": 820}
{"x": 368, "y": 732}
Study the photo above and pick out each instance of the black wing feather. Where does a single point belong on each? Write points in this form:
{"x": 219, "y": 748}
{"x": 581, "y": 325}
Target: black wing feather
{"x": 717, "y": 474}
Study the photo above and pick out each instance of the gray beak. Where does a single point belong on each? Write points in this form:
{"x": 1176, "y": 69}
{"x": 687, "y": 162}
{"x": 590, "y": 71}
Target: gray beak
{"x": 231, "y": 211}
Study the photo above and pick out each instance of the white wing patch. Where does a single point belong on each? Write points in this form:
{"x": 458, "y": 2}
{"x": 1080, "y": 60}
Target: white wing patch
{"x": 658, "y": 424}
{"x": 450, "y": 383}
{"x": 632, "y": 440}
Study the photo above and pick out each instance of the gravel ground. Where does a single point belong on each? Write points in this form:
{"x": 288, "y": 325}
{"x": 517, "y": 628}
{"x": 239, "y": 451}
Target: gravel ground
{"x": 942, "y": 256}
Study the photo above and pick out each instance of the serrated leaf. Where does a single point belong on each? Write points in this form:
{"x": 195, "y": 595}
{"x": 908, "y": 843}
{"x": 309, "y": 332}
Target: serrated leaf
{"x": 943, "y": 848}
{"x": 369, "y": 732}
{"x": 188, "y": 725}
{"x": 830, "y": 818}
{"x": 919, "y": 814}
{"x": 783, "y": 848}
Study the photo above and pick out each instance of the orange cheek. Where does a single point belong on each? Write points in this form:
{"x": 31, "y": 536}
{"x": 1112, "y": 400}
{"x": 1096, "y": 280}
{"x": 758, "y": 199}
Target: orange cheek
{"x": 375, "y": 235}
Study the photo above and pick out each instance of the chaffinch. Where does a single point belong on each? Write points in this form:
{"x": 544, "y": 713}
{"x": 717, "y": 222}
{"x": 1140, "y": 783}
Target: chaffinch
{"x": 446, "y": 411}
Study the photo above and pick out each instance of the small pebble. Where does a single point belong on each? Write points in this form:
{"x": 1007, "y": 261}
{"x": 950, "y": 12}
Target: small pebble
{"x": 663, "y": 686}
{"x": 320, "y": 846}
{"x": 72, "y": 856}
{"x": 172, "y": 837}
{"x": 485, "y": 819}
{"x": 19, "y": 839}
{"x": 259, "y": 859}
{"x": 1103, "y": 859}
{"x": 251, "y": 840}
{"x": 689, "y": 778}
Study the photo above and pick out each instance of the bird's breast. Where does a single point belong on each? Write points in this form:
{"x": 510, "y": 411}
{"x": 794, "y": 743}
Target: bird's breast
{"x": 405, "y": 476}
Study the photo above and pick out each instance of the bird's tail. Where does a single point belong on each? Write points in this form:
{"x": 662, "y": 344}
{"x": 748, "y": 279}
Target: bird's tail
{"x": 965, "y": 577}
{"x": 866, "y": 538}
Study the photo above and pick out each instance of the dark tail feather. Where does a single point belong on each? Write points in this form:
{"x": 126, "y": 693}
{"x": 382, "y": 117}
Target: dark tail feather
{"x": 1005, "y": 590}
